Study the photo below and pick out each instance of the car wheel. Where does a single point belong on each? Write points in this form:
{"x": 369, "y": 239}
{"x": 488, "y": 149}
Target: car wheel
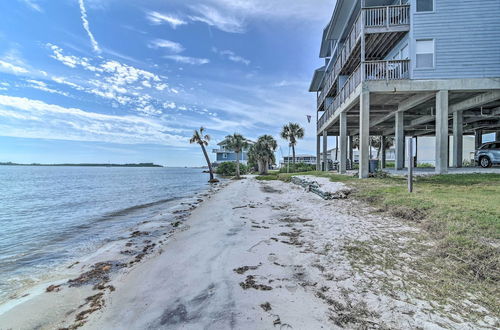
{"x": 485, "y": 162}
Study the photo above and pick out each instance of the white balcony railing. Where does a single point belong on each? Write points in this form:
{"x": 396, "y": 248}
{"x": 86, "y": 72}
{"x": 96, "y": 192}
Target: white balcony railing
{"x": 373, "y": 17}
{"x": 387, "y": 70}
{"x": 387, "y": 16}
{"x": 374, "y": 70}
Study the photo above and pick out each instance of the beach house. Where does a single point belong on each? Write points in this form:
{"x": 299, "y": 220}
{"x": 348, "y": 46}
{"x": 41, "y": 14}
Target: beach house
{"x": 409, "y": 69}
{"x": 225, "y": 154}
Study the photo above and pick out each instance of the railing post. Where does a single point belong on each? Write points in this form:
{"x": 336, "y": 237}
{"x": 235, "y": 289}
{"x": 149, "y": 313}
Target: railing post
{"x": 387, "y": 16}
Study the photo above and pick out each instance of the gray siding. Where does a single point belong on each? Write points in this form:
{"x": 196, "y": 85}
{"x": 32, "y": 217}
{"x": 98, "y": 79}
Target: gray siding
{"x": 466, "y": 37}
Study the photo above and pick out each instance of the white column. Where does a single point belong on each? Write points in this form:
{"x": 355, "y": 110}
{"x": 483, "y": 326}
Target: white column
{"x": 318, "y": 152}
{"x": 399, "y": 141}
{"x": 325, "y": 150}
{"x": 343, "y": 142}
{"x": 364, "y": 133}
{"x": 442, "y": 132}
{"x": 457, "y": 138}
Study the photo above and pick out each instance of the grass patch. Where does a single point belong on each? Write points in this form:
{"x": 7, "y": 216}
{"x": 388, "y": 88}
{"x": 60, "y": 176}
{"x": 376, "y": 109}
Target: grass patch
{"x": 460, "y": 215}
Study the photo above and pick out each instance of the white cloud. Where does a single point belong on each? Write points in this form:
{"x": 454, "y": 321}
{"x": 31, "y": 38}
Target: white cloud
{"x": 161, "y": 87}
{"x": 120, "y": 83}
{"x": 63, "y": 81}
{"x": 213, "y": 17}
{"x": 43, "y": 87}
{"x": 188, "y": 60}
{"x": 170, "y": 45}
{"x": 72, "y": 61}
{"x": 296, "y": 10}
{"x": 169, "y": 105}
{"x": 85, "y": 21}
{"x": 29, "y": 118}
{"x": 159, "y": 18}
{"x": 230, "y": 55}
{"x": 33, "y": 5}
{"x": 11, "y": 68}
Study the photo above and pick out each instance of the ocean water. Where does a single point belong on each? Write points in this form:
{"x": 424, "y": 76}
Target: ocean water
{"x": 52, "y": 215}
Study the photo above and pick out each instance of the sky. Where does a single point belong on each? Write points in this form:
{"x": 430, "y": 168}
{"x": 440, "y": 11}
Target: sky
{"x": 128, "y": 80}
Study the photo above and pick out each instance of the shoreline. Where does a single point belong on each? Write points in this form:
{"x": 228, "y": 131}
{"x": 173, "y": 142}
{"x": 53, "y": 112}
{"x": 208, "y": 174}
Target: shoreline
{"x": 147, "y": 228}
{"x": 254, "y": 255}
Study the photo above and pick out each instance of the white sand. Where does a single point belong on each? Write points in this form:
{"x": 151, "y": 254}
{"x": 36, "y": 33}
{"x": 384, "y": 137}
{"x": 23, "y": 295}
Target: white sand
{"x": 190, "y": 282}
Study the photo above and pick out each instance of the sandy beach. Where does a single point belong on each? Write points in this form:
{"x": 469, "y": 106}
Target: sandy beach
{"x": 253, "y": 255}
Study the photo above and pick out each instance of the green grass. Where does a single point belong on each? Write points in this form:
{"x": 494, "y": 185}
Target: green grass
{"x": 458, "y": 214}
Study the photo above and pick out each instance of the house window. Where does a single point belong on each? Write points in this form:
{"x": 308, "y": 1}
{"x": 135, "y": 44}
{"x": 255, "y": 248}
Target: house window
{"x": 425, "y": 53}
{"x": 425, "y": 5}
{"x": 224, "y": 156}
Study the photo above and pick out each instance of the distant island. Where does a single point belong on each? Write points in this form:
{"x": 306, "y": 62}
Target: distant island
{"x": 85, "y": 164}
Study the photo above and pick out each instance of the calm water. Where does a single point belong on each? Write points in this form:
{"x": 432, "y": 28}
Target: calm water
{"x": 51, "y": 215}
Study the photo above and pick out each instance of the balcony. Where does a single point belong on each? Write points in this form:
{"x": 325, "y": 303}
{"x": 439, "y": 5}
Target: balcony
{"x": 372, "y": 20}
{"x": 373, "y": 70}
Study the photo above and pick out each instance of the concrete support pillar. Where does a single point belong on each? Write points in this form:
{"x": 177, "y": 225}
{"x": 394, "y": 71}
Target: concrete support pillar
{"x": 478, "y": 138}
{"x": 351, "y": 152}
{"x": 399, "y": 141}
{"x": 497, "y": 136}
{"x": 343, "y": 142}
{"x": 442, "y": 132}
{"x": 325, "y": 151}
{"x": 318, "y": 152}
{"x": 458, "y": 138}
{"x": 382, "y": 151}
{"x": 364, "y": 133}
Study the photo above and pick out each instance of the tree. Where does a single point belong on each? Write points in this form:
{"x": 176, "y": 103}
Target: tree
{"x": 203, "y": 140}
{"x": 292, "y": 132}
{"x": 375, "y": 142}
{"x": 237, "y": 143}
{"x": 262, "y": 153}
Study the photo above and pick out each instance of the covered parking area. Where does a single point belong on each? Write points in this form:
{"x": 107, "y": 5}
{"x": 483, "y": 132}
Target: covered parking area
{"x": 414, "y": 108}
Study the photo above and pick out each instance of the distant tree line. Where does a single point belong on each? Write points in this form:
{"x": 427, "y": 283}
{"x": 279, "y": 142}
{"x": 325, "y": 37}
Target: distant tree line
{"x": 85, "y": 164}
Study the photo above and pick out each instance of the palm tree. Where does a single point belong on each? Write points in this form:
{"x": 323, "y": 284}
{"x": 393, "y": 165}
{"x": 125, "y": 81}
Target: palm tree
{"x": 237, "y": 143}
{"x": 292, "y": 132}
{"x": 262, "y": 152}
{"x": 375, "y": 142}
{"x": 203, "y": 140}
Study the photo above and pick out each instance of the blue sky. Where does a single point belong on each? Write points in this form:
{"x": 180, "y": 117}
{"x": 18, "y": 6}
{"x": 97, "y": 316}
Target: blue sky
{"x": 128, "y": 80}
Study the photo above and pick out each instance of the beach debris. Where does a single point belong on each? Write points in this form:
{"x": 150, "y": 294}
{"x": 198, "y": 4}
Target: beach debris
{"x": 73, "y": 264}
{"x": 242, "y": 270}
{"x": 98, "y": 275}
{"x": 269, "y": 189}
{"x": 139, "y": 233}
{"x": 53, "y": 288}
{"x": 294, "y": 220}
{"x": 176, "y": 224}
{"x": 250, "y": 283}
{"x": 322, "y": 190}
{"x": 266, "y": 306}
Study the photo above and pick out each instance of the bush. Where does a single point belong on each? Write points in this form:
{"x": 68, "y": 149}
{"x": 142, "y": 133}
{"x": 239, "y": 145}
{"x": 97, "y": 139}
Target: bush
{"x": 229, "y": 169}
{"x": 297, "y": 167}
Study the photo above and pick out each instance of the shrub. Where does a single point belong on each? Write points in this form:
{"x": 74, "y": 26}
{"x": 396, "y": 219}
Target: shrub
{"x": 297, "y": 167}
{"x": 229, "y": 169}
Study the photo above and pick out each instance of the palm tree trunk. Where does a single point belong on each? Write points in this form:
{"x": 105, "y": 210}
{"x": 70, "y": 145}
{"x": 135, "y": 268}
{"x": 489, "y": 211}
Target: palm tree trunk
{"x": 293, "y": 153}
{"x": 265, "y": 167}
{"x": 208, "y": 162}
{"x": 237, "y": 165}
{"x": 336, "y": 148}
